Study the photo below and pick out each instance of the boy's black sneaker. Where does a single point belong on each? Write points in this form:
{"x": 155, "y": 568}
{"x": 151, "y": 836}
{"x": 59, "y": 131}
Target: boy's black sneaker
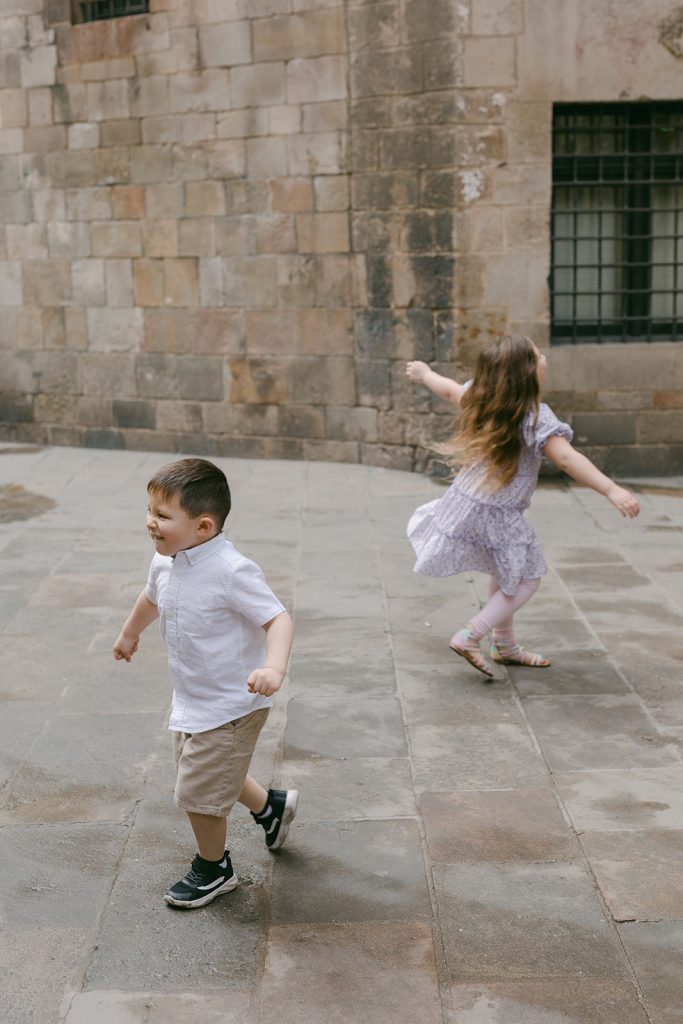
{"x": 277, "y": 816}
{"x": 203, "y": 882}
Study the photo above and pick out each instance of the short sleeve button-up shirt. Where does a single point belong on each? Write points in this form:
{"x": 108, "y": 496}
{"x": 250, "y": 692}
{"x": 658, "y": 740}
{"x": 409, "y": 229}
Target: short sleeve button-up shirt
{"x": 212, "y": 604}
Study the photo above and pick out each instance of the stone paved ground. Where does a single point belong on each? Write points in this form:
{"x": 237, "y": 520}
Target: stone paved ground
{"x": 465, "y": 853}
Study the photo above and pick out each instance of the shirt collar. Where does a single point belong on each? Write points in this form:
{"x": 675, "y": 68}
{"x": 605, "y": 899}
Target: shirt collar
{"x": 202, "y": 551}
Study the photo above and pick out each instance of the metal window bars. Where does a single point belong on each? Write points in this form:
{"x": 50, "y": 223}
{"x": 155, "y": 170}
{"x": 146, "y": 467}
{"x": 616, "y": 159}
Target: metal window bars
{"x": 96, "y": 10}
{"x": 617, "y": 222}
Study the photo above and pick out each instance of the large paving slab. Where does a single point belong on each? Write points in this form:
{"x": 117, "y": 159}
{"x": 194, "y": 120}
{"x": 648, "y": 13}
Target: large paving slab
{"x": 465, "y": 853}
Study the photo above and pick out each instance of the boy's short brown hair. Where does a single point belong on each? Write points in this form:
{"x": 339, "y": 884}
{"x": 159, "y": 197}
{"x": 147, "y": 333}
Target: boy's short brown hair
{"x": 202, "y": 488}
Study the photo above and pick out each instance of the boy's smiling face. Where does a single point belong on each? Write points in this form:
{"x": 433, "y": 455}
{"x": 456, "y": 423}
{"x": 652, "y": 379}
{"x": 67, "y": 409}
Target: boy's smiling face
{"x": 171, "y": 528}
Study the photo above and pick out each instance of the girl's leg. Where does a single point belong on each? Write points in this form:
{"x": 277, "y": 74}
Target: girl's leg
{"x": 496, "y": 614}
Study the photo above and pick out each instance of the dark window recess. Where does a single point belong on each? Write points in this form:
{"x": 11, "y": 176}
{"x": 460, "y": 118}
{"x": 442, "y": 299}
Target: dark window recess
{"x": 96, "y": 10}
{"x": 617, "y": 222}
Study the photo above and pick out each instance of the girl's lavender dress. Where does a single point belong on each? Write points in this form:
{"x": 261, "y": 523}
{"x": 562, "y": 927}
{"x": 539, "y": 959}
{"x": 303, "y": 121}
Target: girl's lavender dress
{"x": 472, "y": 529}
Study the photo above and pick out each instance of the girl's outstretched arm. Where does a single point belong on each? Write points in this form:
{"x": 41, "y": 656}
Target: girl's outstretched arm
{"x": 581, "y": 469}
{"x": 444, "y": 387}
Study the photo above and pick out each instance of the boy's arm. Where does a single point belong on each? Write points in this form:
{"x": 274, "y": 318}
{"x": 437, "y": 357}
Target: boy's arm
{"x": 444, "y": 387}
{"x": 144, "y": 612}
{"x": 268, "y": 680}
{"x": 581, "y": 469}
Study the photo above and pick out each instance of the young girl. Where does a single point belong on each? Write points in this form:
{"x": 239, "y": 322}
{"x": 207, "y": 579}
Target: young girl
{"x": 478, "y": 524}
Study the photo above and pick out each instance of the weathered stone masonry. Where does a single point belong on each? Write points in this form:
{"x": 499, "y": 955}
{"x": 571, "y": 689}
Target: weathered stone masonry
{"x": 225, "y": 225}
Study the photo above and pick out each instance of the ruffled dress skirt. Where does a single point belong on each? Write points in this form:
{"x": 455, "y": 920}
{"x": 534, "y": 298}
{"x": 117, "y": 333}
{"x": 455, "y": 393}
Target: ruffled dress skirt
{"x": 460, "y": 532}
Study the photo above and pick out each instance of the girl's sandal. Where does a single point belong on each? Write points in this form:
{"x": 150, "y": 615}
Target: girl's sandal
{"x": 464, "y": 644}
{"x": 513, "y": 654}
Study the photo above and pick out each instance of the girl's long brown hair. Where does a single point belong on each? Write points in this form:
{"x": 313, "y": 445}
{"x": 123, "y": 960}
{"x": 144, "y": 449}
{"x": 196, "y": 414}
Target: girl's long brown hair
{"x": 492, "y": 410}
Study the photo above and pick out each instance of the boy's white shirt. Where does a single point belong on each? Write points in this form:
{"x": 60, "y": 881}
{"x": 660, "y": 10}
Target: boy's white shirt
{"x": 212, "y": 604}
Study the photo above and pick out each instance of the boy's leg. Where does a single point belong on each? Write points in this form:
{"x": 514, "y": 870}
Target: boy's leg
{"x": 253, "y": 796}
{"x": 210, "y": 832}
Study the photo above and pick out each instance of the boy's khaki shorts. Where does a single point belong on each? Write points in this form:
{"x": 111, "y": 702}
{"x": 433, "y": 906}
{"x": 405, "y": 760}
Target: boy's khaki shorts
{"x": 213, "y": 765}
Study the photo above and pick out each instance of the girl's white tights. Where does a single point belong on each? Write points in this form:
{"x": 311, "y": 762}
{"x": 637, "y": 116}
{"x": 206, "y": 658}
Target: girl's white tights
{"x": 497, "y": 613}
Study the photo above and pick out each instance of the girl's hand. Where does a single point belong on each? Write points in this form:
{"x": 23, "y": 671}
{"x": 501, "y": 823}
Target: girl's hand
{"x": 125, "y": 647}
{"x": 416, "y": 371}
{"x": 623, "y": 500}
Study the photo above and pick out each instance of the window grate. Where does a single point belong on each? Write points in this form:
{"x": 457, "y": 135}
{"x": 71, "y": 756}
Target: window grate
{"x": 96, "y": 10}
{"x": 617, "y": 222}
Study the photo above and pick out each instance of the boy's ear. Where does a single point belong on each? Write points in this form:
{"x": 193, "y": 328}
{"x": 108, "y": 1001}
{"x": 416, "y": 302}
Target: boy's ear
{"x": 206, "y": 525}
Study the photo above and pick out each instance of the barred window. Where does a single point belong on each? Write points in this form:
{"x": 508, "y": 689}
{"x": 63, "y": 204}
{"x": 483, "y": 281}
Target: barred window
{"x": 96, "y": 10}
{"x": 617, "y": 222}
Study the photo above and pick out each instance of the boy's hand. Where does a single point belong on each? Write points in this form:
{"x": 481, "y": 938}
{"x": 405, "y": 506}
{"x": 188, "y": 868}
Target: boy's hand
{"x": 623, "y": 500}
{"x": 265, "y": 681}
{"x": 416, "y": 371}
{"x": 125, "y": 647}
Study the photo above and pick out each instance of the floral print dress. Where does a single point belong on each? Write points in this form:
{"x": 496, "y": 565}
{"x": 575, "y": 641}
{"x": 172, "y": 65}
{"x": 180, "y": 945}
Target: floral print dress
{"x": 473, "y": 529}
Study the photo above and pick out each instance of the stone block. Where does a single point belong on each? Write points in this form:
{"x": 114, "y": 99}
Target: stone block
{"x": 325, "y": 117}
{"x": 160, "y": 130}
{"x": 319, "y": 153}
{"x": 165, "y": 201}
{"x": 166, "y": 330}
{"x": 442, "y": 70}
{"x": 375, "y": 26}
{"x": 83, "y": 136}
{"x": 26, "y": 241}
{"x": 322, "y": 380}
{"x": 199, "y": 378}
{"x": 331, "y": 193}
{"x": 665, "y": 399}
{"x": 211, "y": 281}
{"x": 236, "y": 236}
{"x": 148, "y": 282}
{"x": 216, "y": 332}
{"x": 88, "y": 204}
{"x": 197, "y": 127}
{"x": 259, "y": 381}
{"x": 225, "y": 44}
{"x": 11, "y": 71}
{"x": 497, "y": 17}
{"x": 102, "y": 70}
{"x": 660, "y": 427}
{"x": 226, "y": 159}
{"x": 529, "y": 131}
{"x": 104, "y": 374}
{"x": 267, "y": 158}
{"x": 202, "y": 91}
{"x": 518, "y": 285}
{"x": 489, "y": 61}
{"x": 46, "y": 283}
{"x": 442, "y": 18}
{"x": 13, "y": 32}
{"x": 11, "y": 140}
{"x": 384, "y": 73}
{"x": 87, "y": 282}
{"x": 272, "y": 333}
{"x": 323, "y": 78}
{"x": 251, "y": 282}
{"x": 388, "y": 456}
{"x": 242, "y": 124}
{"x": 40, "y": 107}
{"x": 131, "y": 413}
{"x": 117, "y": 239}
{"x": 119, "y": 282}
{"x": 111, "y": 165}
{"x": 13, "y": 108}
{"x": 151, "y": 164}
{"x": 108, "y": 101}
{"x": 204, "y": 199}
{"x": 197, "y": 237}
{"x": 309, "y": 34}
{"x": 75, "y": 329}
{"x": 160, "y": 238}
{"x": 387, "y": 191}
{"x": 115, "y": 330}
{"x": 325, "y": 332}
{"x": 44, "y": 139}
{"x": 38, "y": 66}
{"x": 276, "y": 234}
{"x": 126, "y": 132}
{"x": 291, "y": 195}
{"x": 258, "y": 85}
{"x": 181, "y": 282}
{"x": 127, "y": 202}
{"x": 176, "y": 415}
{"x": 301, "y": 421}
{"x": 284, "y": 120}
{"x": 343, "y": 423}
{"x": 373, "y": 382}
{"x": 16, "y": 408}
{"x": 323, "y": 232}
{"x": 334, "y": 281}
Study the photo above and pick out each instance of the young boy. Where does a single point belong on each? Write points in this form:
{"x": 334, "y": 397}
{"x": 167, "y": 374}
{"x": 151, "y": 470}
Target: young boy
{"x": 228, "y": 640}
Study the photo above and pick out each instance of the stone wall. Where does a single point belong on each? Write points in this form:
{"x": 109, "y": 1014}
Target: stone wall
{"x": 225, "y": 225}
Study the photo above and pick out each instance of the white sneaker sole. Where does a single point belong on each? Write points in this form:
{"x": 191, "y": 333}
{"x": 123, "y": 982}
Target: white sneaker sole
{"x": 288, "y": 815}
{"x": 227, "y": 886}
